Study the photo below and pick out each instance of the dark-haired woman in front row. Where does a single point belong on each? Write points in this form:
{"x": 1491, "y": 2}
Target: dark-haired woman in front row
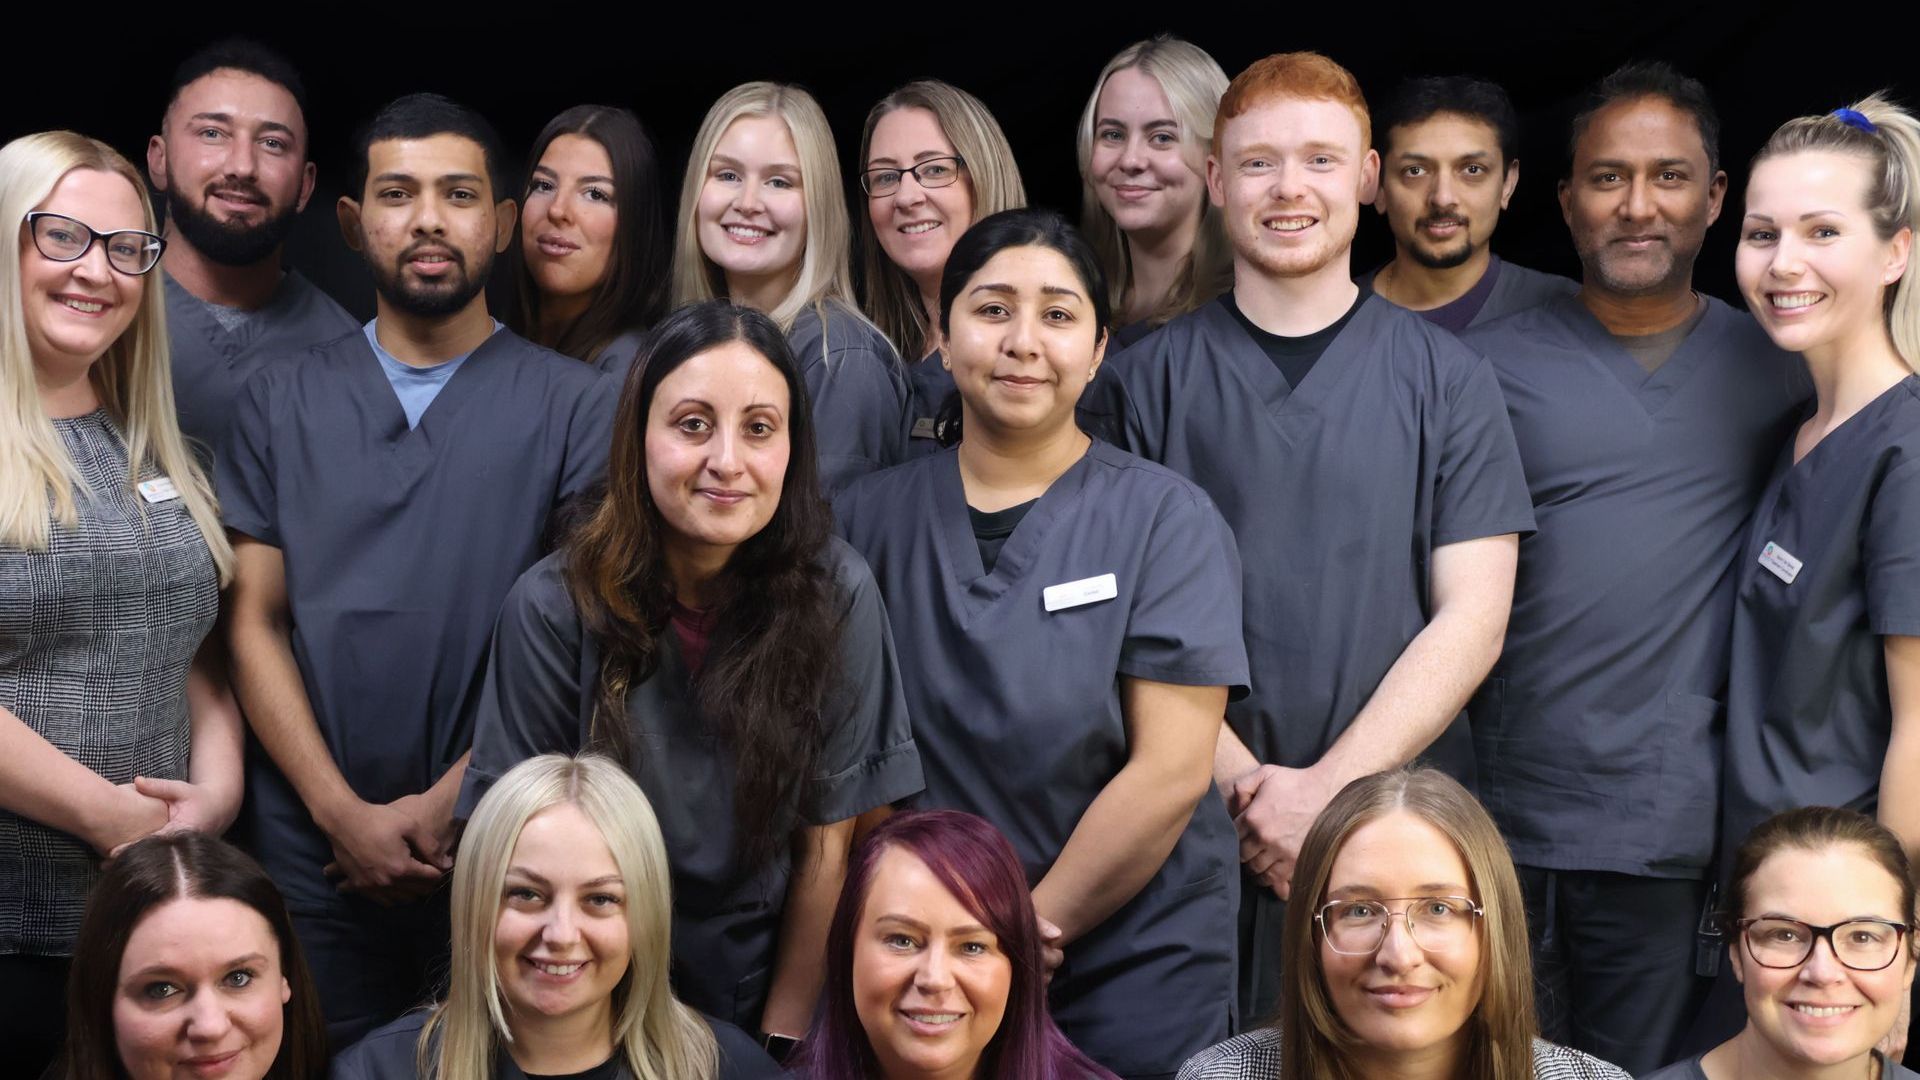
{"x": 1820, "y": 933}
{"x": 1406, "y": 950}
{"x": 703, "y": 625}
{"x": 1069, "y": 627}
{"x": 186, "y": 965}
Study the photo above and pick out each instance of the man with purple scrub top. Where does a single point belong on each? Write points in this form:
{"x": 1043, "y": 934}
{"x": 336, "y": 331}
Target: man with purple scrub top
{"x": 1648, "y": 416}
{"x": 1364, "y": 460}
{"x": 384, "y": 490}
{"x": 1449, "y": 162}
{"x": 231, "y": 164}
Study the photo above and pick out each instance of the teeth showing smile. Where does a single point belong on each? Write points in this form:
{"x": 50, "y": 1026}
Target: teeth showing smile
{"x": 1289, "y": 224}
{"x": 84, "y": 306}
{"x": 935, "y": 1018}
{"x": 1823, "y": 1010}
{"x": 560, "y": 969}
{"x": 746, "y": 232}
{"x": 1794, "y": 300}
{"x": 919, "y": 227}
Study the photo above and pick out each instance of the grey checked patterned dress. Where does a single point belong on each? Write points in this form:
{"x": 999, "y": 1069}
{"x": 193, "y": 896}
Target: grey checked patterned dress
{"x": 96, "y": 636}
{"x": 1255, "y": 1055}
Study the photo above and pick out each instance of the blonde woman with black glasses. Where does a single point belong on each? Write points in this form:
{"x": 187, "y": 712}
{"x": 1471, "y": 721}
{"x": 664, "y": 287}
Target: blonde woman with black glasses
{"x": 111, "y": 561}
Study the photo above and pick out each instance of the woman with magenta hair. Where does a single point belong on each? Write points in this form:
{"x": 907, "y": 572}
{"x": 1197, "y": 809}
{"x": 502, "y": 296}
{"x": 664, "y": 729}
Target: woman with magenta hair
{"x": 934, "y": 963}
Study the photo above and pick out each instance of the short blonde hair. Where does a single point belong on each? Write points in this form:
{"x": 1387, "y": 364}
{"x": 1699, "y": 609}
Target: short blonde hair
{"x": 660, "y": 1038}
{"x": 1319, "y": 1044}
{"x": 892, "y": 300}
{"x": 1193, "y": 83}
{"x": 133, "y": 377}
{"x": 824, "y": 273}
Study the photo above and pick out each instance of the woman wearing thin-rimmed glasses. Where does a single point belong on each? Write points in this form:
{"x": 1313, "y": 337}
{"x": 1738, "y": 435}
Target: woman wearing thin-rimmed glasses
{"x": 1821, "y": 936}
{"x": 933, "y": 161}
{"x": 1412, "y": 958}
{"x": 112, "y": 556}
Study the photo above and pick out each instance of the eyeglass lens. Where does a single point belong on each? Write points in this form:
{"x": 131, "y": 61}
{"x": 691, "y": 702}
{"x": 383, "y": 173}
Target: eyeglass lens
{"x": 64, "y": 239}
{"x": 1357, "y": 927}
{"x": 1865, "y": 945}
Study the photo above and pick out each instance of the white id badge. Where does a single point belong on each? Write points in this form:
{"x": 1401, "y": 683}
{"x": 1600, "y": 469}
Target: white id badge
{"x": 158, "y": 490}
{"x": 924, "y": 428}
{"x": 1780, "y": 562}
{"x": 1076, "y": 593}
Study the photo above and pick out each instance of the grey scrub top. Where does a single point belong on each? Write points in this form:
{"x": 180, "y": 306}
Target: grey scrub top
{"x": 211, "y": 363}
{"x": 856, "y": 388}
{"x": 928, "y": 384}
{"x": 391, "y": 1053}
{"x": 1397, "y": 442}
{"x": 1017, "y": 708}
{"x": 618, "y": 356}
{"x": 539, "y": 696}
{"x": 1808, "y": 713}
{"x": 399, "y": 546}
{"x": 1515, "y": 289}
{"x": 1599, "y": 733}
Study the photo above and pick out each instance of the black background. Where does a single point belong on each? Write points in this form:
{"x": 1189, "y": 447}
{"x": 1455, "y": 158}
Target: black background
{"x": 1033, "y": 64}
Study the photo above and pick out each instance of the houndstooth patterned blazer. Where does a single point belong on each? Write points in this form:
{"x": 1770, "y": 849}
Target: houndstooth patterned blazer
{"x": 96, "y": 636}
{"x": 1255, "y": 1055}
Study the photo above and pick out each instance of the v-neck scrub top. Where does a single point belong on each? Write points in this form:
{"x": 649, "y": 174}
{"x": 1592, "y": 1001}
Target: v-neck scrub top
{"x": 1017, "y": 708}
{"x": 1599, "y": 733}
{"x": 541, "y": 689}
{"x": 1808, "y": 713}
{"x": 1338, "y": 491}
{"x": 210, "y": 363}
{"x": 399, "y": 545}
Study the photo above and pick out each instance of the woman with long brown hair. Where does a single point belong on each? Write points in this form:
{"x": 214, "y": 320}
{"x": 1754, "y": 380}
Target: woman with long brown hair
{"x": 704, "y": 626}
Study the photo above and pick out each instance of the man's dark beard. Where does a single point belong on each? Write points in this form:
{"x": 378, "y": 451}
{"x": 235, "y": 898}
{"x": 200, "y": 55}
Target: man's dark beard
{"x": 229, "y": 243}
{"x": 390, "y": 282}
{"x": 1442, "y": 260}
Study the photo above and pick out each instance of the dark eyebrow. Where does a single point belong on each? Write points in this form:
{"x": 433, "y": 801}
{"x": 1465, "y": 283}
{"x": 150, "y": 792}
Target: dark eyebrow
{"x": 150, "y": 970}
{"x": 903, "y": 921}
{"x": 928, "y": 155}
{"x": 227, "y": 118}
{"x": 584, "y": 180}
{"x": 1621, "y": 166}
{"x": 395, "y": 178}
{"x": 460, "y": 178}
{"x": 1008, "y": 290}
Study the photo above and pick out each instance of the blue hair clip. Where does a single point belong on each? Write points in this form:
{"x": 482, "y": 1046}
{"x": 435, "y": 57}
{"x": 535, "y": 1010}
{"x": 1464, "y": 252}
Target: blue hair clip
{"x": 1855, "y": 120}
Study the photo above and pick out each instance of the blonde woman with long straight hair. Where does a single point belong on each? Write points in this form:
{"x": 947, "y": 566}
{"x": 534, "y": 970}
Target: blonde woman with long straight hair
{"x": 1405, "y": 943}
{"x": 1143, "y": 144}
{"x": 113, "y": 557}
{"x": 1823, "y": 690}
{"x": 933, "y": 161}
{"x": 763, "y": 223}
{"x": 562, "y": 928}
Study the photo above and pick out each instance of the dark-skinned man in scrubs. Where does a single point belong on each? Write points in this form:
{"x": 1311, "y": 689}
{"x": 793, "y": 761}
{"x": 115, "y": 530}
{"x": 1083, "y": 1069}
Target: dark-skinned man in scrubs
{"x": 384, "y": 492}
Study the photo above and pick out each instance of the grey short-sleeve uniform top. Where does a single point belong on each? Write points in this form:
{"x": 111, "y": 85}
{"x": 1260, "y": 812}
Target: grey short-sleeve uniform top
{"x": 211, "y": 360}
{"x": 1255, "y": 1055}
{"x": 857, "y": 389}
{"x": 97, "y": 634}
{"x": 538, "y": 697}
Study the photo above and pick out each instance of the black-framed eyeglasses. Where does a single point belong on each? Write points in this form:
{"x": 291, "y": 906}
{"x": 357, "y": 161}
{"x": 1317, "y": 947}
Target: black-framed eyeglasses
{"x": 63, "y": 239}
{"x": 931, "y": 173}
{"x": 1861, "y": 944}
{"x": 1436, "y": 923}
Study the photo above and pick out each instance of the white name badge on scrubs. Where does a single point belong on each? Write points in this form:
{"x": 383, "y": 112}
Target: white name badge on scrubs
{"x": 924, "y": 428}
{"x": 1077, "y": 593}
{"x": 158, "y": 490}
{"x": 1779, "y": 562}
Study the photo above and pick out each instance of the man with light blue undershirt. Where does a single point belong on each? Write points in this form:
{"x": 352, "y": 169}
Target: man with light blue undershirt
{"x": 384, "y": 491}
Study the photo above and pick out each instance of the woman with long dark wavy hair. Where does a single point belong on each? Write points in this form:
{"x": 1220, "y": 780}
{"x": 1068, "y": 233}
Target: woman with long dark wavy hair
{"x": 589, "y": 268}
{"x": 702, "y": 624}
